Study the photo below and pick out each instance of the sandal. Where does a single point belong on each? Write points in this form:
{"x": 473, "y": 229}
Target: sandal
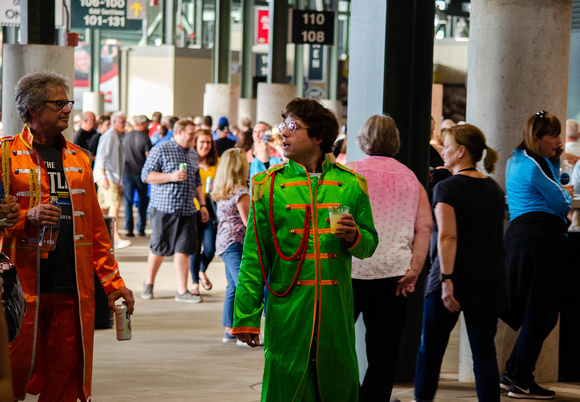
{"x": 195, "y": 292}
{"x": 206, "y": 283}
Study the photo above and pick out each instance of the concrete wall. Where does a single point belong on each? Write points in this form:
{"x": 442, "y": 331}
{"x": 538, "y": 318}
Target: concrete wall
{"x": 450, "y": 61}
{"x": 167, "y": 79}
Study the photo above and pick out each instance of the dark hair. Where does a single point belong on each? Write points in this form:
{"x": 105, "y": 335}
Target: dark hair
{"x": 321, "y": 122}
{"x": 207, "y": 121}
{"x": 473, "y": 140}
{"x": 245, "y": 140}
{"x": 156, "y": 117}
{"x": 102, "y": 119}
{"x": 172, "y": 121}
{"x": 537, "y": 126}
{"x": 212, "y": 156}
{"x": 163, "y": 131}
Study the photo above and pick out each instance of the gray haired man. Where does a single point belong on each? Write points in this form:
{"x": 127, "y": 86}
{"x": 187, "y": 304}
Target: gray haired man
{"x": 108, "y": 173}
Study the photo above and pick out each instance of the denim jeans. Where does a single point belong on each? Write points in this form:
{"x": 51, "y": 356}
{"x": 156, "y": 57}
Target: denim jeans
{"x": 438, "y": 322}
{"x": 232, "y": 258}
{"x": 206, "y": 235}
{"x": 130, "y": 184}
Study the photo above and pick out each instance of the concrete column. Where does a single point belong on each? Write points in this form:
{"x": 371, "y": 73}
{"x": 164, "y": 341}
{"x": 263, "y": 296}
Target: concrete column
{"x": 391, "y": 71}
{"x": 20, "y": 60}
{"x": 271, "y": 100}
{"x": 221, "y": 100}
{"x": 517, "y": 66}
{"x": 247, "y": 108}
{"x": 336, "y": 107}
{"x": 94, "y": 102}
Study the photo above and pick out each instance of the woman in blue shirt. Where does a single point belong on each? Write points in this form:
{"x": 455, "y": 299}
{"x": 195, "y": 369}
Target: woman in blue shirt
{"x": 535, "y": 248}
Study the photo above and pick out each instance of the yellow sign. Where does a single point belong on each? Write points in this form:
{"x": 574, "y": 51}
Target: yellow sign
{"x": 135, "y": 10}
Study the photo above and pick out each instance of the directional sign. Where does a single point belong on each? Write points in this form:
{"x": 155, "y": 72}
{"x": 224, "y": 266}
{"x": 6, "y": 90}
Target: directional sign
{"x": 108, "y": 14}
{"x": 136, "y": 9}
{"x": 314, "y": 27}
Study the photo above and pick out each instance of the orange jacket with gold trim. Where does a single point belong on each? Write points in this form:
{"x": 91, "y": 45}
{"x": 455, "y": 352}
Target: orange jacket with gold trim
{"x": 92, "y": 247}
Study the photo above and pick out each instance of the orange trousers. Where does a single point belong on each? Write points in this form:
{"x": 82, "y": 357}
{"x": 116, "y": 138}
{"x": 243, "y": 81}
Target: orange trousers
{"x": 58, "y": 364}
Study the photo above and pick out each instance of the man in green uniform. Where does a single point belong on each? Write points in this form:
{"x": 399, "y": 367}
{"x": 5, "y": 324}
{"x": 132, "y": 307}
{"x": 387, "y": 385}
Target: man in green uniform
{"x": 309, "y": 329}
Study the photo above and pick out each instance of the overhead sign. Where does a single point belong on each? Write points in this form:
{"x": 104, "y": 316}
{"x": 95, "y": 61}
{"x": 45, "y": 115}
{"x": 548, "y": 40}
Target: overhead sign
{"x": 10, "y": 12}
{"x": 108, "y": 14}
{"x": 316, "y": 64}
{"x": 313, "y": 27}
{"x": 262, "y": 26}
{"x": 261, "y": 65}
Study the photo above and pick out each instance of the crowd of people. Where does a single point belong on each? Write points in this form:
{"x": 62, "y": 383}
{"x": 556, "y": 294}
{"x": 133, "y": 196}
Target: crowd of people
{"x": 259, "y": 197}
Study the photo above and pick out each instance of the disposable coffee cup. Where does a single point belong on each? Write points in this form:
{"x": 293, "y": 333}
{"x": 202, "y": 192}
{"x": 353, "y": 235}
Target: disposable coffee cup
{"x": 335, "y": 213}
{"x": 6, "y": 203}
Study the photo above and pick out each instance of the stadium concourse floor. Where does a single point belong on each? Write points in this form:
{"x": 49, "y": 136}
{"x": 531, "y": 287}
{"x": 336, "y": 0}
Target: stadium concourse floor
{"x": 177, "y": 353}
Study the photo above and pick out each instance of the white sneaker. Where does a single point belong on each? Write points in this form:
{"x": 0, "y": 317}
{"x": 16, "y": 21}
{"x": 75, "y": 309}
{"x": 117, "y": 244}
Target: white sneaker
{"x": 122, "y": 243}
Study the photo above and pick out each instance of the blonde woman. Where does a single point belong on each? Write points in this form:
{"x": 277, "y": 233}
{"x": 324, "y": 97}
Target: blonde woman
{"x": 230, "y": 191}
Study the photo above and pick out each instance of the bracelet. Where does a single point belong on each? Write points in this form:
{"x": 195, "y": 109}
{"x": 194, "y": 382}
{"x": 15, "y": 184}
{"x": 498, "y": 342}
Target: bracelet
{"x": 202, "y": 206}
{"x": 443, "y": 277}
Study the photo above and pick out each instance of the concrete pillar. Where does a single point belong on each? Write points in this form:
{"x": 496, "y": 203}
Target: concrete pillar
{"x": 517, "y": 66}
{"x": 94, "y": 102}
{"x": 20, "y": 60}
{"x": 336, "y": 107}
{"x": 221, "y": 100}
{"x": 247, "y": 108}
{"x": 391, "y": 71}
{"x": 271, "y": 100}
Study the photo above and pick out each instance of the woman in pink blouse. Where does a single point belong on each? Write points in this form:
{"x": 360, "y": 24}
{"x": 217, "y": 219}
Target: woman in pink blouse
{"x": 381, "y": 283}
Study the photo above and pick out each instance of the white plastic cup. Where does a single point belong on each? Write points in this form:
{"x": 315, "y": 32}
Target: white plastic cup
{"x": 335, "y": 213}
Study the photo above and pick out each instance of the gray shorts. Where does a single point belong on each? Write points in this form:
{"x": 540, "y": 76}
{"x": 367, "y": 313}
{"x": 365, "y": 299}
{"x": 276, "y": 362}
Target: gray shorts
{"x": 172, "y": 233}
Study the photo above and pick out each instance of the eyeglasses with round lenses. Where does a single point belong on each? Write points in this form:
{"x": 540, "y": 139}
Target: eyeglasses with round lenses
{"x": 60, "y": 104}
{"x": 292, "y": 127}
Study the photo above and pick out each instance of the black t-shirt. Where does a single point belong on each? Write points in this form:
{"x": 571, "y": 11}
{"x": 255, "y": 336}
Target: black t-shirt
{"x": 479, "y": 274}
{"x": 82, "y": 138}
{"x": 57, "y": 273}
{"x": 223, "y": 144}
{"x": 135, "y": 145}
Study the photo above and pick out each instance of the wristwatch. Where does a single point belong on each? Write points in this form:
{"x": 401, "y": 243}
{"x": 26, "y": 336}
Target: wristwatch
{"x": 443, "y": 277}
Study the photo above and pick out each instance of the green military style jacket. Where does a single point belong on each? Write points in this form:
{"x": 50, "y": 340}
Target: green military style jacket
{"x": 309, "y": 332}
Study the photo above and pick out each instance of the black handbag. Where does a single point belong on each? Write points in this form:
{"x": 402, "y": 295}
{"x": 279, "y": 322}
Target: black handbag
{"x": 13, "y": 300}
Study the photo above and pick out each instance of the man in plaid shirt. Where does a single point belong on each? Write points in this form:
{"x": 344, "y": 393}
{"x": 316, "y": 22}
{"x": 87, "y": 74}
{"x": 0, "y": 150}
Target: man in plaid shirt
{"x": 171, "y": 207}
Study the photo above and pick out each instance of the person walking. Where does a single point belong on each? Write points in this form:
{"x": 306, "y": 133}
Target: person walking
{"x": 230, "y": 192}
{"x": 536, "y": 248}
{"x": 136, "y": 145}
{"x": 206, "y": 231}
{"x": 382, "y": 282}
{"x": 468, "y": 271}
{"x": 290, "y": 248}
{"x": 173, "y": 172}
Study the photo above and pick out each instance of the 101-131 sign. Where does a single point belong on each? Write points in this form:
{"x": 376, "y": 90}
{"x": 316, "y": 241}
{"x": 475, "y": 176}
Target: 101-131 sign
{"x": 313, "y": 27}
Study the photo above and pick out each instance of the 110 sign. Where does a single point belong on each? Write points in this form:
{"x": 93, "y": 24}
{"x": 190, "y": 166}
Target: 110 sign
{"x": 106, "y": 3}
{"x": 99, "y": 20}
{"x": 313, "y": 27}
